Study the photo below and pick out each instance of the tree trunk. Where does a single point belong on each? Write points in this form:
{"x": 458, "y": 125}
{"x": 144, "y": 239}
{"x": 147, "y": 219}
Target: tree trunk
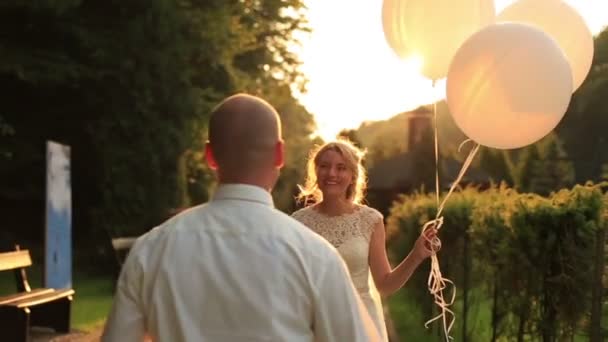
{"x": 182, "y": 181}
{"x": 495, "y": 308}
{"x": 523, "y": 318}
{"x": 548, "y": 328}
{"x": 595, "y": 327}
{"x": 549, "y": 318}
{"x": 522, "y": 325}
{"x": 465, "y": 286}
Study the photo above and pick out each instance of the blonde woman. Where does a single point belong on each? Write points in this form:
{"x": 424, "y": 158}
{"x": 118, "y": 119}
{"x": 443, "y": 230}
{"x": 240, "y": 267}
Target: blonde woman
{"x": 335, "y": 182}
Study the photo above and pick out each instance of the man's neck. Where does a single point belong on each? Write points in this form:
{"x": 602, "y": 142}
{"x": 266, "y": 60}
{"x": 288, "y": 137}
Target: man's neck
{"x": 248, "y": 180}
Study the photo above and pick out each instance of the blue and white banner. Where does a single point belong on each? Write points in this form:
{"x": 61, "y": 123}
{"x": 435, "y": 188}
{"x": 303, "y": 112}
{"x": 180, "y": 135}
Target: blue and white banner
{"x": 58, "y": 241}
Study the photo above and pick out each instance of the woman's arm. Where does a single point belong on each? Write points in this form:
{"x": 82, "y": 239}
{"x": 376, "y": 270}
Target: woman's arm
{"x": 389, "y": 280}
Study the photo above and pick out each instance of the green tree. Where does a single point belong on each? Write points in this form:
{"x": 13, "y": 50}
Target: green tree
{"x": 544, "y": 167}
{"x": 531, "y": 257}
{"x": 496, "y": 164}
{"x": 266, "y": 66}
{"x": 423, "y": 155}
{"x": 351, "y": 135}
{"x": 554, "y": 170}
{"x": 583, "y": 128}
{"x": 297, "y": 127}
{"x": 129, "y": 86}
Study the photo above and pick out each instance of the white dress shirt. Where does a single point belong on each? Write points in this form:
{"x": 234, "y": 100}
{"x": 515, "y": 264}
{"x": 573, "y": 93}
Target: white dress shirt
{"x": 235, "y": 269}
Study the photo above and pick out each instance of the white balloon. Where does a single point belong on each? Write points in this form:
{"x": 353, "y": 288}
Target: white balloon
{"x": 564, "y": 24}
{"x": 433, "y": 29}
{"x": 508, "y": 85}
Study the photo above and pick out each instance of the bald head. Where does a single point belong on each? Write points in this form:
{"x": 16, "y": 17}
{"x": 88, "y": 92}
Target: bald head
{"x": 244, "y": 131}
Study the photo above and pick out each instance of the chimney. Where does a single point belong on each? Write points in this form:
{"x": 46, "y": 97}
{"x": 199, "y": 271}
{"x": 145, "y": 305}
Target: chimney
{"x": 419, "y": 121}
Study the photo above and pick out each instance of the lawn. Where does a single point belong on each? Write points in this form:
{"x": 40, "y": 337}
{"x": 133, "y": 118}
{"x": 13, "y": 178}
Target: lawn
{"x": 409, "y": 322}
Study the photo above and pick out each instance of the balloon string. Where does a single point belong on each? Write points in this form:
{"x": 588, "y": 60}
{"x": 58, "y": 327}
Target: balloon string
{"x": 465, "y": 167}
{"x": 436, "y": 149}
{"x": 436, "y": 282}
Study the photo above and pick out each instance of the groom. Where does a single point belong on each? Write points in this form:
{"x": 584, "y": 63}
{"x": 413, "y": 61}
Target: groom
{"x": 237, "y": 269}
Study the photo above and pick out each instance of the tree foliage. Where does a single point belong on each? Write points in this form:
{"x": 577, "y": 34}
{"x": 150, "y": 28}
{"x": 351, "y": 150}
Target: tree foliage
{"x": 531, "y": 259}
{"x": 129, "y": 85}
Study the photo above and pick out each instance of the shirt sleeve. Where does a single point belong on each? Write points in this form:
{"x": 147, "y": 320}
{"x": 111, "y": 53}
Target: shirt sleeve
{"x": 339, "y": 314}
{"x": 126, "y": 321}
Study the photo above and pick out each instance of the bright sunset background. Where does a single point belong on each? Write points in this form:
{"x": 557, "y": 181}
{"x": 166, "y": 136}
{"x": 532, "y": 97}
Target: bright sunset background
{"x": 353, "y": 74}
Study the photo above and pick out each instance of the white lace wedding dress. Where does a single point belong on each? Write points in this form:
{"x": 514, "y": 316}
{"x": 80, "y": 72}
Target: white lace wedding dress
{"x": 350, "y": 234}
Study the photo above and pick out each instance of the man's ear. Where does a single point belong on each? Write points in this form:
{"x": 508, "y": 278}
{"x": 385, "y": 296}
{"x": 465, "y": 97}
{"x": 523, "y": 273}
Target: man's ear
{"x": 279, "y": 154}
{"x": 210, "y": 157}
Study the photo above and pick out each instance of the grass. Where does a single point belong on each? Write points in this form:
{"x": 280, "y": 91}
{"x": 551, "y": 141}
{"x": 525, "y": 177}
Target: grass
{"x": 407, "y": 319}
{"x": 92, "y": 301}
{"x": 409, "y": 322}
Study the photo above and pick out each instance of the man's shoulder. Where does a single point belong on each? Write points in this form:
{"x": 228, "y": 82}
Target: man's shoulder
{"x": 299, "y": 236}
{"x": 299, "y": 228}
{"x": 146, "y": 242}
{"x": 277, "y": 225}
{"x": 159, "y": 233}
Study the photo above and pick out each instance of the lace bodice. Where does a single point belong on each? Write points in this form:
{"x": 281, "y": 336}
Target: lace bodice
{"x": 350, "y": 233}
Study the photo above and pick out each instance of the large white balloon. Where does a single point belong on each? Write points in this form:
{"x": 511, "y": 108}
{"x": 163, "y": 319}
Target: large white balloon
{"x": 433, "y": 29}
{"x": 564, "y": 24}
{"x": 508, "y": 85}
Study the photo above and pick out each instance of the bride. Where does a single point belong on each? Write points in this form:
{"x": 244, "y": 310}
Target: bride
{"x": 335, "y": 181}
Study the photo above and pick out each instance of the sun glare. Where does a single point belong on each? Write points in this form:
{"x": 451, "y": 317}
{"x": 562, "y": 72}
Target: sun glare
{"x": 353, "y": 74}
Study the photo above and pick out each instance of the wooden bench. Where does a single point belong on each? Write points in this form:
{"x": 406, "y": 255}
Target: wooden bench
{"x": 42, "y": 307}
{"x": 121, "y": 247}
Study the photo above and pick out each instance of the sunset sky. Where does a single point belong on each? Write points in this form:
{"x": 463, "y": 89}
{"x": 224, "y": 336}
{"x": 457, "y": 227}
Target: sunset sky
{"x": 353, "y": 74}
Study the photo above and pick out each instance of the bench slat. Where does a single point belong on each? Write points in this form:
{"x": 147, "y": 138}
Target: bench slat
{"x": 42, "y": 298}
{"x": 23, "y": 295}
{"x": 16, "y": 259}
{"x": 123, "y": 243}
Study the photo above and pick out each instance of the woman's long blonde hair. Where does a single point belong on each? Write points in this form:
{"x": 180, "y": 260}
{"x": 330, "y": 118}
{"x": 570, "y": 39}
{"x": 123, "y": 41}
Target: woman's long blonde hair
{"x": 353, "y": 156}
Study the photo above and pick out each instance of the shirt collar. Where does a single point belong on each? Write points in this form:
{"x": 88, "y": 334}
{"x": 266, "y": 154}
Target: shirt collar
{"x": 243, "y": 192}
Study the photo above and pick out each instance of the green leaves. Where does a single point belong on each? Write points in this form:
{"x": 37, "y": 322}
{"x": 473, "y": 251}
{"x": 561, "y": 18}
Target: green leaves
{"x": 537, "y": 251}
{"x": 129, "y": 85}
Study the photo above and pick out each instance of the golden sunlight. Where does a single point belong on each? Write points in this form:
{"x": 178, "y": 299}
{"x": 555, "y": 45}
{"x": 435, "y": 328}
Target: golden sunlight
{"x": 353, "y": 74}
